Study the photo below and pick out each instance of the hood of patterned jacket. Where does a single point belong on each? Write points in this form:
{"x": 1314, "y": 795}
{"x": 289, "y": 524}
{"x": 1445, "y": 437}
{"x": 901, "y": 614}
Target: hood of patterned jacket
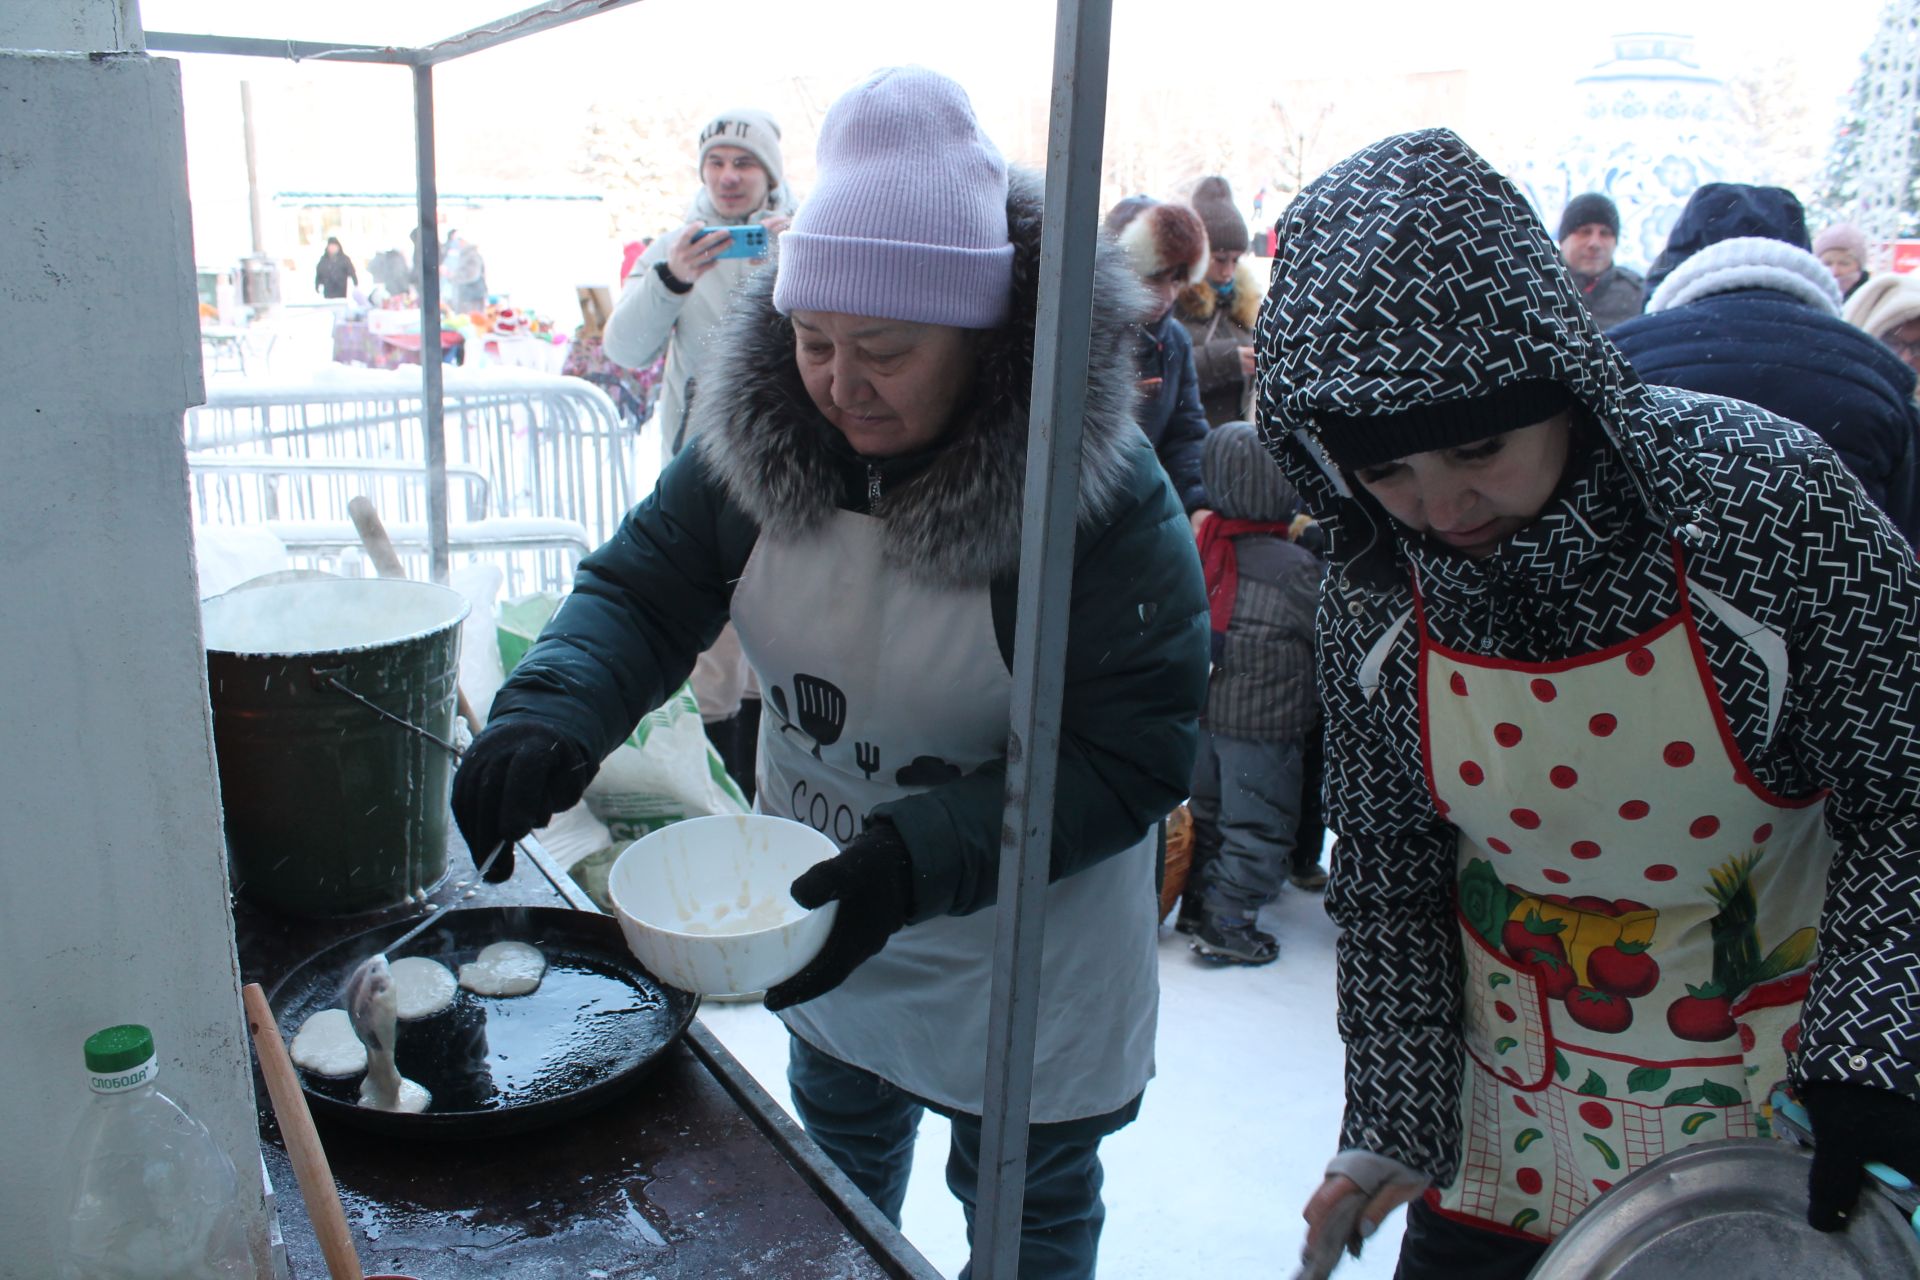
{"x": 1412, "y": 273}
{"x": 952, "y": 512}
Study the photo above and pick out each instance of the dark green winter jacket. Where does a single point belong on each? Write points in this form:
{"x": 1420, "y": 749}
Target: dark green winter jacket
{"x": 769, "y": 465}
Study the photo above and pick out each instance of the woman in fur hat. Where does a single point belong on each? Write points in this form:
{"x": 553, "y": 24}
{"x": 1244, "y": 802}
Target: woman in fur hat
{"x": 1842, "y": 249}
{"x": 1888, "y": 308}
{"x": 1622, "y": 692}
{"x": 853, "y": 505}
{"x": 1167, "y": 246}
{"x": 1219, "y": 309}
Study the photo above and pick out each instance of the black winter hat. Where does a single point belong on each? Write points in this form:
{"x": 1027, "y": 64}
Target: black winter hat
{"x": 1729, "y": 211}
{"x": 1589, "y": 206}
{"x": 1364, "y": 441}
{"x": 1226, "y": 229}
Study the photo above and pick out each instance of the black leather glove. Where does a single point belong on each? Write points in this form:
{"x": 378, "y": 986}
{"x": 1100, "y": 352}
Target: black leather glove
{"x": 517, "y": 774}
{"x": 1852, "y": 1124}
{"x": 872, "y": 880}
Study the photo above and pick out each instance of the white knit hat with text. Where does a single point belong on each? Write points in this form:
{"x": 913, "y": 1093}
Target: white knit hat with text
{"x": 753, "y": 131}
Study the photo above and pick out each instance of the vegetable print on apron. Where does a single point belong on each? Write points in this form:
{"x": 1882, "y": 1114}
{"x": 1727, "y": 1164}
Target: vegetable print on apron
{"x": 1653, "y": 1005}
{"x": 878, "y": 686}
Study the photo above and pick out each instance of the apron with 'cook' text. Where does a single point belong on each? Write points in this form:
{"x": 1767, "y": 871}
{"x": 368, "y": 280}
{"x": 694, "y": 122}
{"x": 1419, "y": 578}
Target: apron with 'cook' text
{"x": 1637, "y": 912}
{"x": 878, "y": 686}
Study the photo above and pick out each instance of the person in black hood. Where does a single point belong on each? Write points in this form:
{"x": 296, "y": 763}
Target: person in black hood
{"x": 1740, "y": 307}
{"x": 1622, "y": 734}
{"x": 334, "y": 272}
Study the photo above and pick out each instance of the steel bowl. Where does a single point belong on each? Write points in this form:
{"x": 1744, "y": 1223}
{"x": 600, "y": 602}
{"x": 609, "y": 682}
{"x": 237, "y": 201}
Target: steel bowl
{"x": 1728, "y": 1210}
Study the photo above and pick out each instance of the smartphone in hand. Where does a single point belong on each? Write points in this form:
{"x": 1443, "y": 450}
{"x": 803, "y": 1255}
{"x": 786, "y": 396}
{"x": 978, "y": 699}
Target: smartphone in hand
{"x": 749, "y": 241}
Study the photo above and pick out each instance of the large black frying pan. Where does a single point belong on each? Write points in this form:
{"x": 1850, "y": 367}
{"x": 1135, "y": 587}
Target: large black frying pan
{"x": 498, "y": 1065}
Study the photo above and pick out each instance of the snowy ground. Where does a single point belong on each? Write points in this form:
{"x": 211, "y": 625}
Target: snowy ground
{"x": 1232, "y": 1136}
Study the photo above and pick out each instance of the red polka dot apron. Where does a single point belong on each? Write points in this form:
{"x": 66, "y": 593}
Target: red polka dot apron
{"x": 1633, "y": 906}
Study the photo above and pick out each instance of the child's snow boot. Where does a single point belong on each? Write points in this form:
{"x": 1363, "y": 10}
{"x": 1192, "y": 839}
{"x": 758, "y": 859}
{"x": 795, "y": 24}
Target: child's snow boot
{"x": 1234, "y": 940}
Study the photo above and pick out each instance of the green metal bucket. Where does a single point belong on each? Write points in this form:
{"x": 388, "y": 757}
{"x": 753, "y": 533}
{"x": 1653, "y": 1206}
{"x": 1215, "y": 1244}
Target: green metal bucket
{"x": 333, "y": 705}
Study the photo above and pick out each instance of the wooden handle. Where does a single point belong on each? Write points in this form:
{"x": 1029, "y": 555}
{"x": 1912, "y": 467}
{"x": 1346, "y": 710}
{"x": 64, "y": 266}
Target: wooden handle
{"x": 303, "y": 1142}
{"x": 373, "y": 536}
{"x": 386, "y": 561}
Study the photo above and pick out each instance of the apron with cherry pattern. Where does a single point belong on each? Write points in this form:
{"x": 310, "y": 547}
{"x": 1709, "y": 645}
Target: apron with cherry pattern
{"x": 1636, "y": 910}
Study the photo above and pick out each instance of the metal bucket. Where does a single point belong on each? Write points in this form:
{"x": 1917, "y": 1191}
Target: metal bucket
{"x": 333, "y": 704}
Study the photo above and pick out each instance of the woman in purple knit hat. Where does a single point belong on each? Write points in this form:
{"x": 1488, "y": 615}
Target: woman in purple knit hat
{"x": 853, "y": 506}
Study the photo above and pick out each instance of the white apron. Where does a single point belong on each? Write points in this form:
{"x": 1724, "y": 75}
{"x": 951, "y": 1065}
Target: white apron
{"x": 1637, "y": 915}
{"x": 876, "y": 686}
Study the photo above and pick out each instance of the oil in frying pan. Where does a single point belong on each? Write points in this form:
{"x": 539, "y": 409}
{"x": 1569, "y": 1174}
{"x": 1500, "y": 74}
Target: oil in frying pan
{"x": 486, "y": 1053}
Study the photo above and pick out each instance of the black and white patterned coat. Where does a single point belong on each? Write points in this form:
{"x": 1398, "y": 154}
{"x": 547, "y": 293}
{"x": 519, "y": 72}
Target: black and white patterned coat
{"x": 1413, "y": 273}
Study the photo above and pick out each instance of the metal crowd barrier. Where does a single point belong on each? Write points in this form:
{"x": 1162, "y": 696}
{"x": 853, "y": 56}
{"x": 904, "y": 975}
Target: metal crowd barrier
{"x": 540, "y": 467}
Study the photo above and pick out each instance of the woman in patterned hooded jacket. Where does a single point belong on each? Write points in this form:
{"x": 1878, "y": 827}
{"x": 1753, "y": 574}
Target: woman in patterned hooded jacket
{"x": 1622, "y": 687}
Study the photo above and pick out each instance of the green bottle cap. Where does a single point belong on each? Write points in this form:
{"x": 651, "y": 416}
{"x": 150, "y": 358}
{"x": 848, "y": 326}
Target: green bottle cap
{"x": 118, "y": 1049}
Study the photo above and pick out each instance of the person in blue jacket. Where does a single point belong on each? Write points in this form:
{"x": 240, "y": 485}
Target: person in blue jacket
{"x": 852, "y": 503}
{"x": 1738, "y": 306}
{"x": 1167, "y": 245}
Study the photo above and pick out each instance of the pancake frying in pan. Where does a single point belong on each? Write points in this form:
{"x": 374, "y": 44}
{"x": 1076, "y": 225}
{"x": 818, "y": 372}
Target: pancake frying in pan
{"x": 502, "y": 1064}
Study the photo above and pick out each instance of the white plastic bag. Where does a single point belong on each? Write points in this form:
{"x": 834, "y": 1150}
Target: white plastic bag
{"x": 665, "y": 771}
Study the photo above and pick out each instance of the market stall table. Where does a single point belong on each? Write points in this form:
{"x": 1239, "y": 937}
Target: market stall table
{"x": 694, "y": 1172}
{"x": 453, "y": 346}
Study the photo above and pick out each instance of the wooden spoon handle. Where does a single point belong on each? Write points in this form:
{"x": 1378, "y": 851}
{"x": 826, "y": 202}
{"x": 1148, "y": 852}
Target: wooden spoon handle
{"x": 373, "y": 536}
{"x": 303, "y": 1141}
{"x": 386, "y": 561}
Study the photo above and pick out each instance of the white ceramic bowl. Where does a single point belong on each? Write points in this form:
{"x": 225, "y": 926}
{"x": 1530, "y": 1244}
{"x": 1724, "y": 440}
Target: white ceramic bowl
{"x": 704, "y": 904}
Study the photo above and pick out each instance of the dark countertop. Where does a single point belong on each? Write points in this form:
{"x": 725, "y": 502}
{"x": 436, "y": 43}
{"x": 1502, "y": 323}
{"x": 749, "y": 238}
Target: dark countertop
{"x": 696, "y": 1172}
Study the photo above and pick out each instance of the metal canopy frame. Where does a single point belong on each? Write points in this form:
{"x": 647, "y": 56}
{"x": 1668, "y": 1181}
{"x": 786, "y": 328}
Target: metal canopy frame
{"x": 421, "y": 61}
{"x": 1082, "y": 31}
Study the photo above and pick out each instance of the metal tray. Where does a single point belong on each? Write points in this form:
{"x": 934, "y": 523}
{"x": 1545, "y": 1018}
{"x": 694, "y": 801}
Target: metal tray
{"x": 1730, "y": 1210}
{"x": 498, "y": 1065}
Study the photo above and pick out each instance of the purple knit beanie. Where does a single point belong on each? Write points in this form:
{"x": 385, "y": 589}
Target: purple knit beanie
{"x": 908, "y": 215}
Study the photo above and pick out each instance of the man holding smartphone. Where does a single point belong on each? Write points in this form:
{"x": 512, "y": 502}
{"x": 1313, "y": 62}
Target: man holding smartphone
{"x": 682, "y": 284}
{"x": 674, "y": 299}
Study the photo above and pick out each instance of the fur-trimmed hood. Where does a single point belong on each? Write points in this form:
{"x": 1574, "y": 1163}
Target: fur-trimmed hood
{"x": 1199, "y": 301}
{"x": 1749, "y": 262}
{"x": 956, "y": 520}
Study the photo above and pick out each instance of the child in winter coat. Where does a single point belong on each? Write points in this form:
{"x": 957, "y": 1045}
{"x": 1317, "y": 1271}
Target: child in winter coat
{"x": 1262, "y": 707}
{"x": 1220, "y": 308}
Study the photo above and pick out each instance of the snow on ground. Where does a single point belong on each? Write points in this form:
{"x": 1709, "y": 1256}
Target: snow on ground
{"x": 1232, "y": 1136}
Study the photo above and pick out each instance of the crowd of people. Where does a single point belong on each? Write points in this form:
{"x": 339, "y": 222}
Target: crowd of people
{"x": 1579, "y": 607}
{"x": 463, "y": 273}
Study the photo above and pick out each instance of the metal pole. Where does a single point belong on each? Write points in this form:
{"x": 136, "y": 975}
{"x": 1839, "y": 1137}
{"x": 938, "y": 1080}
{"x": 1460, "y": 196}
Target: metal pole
{"x": 433, "y": 416}
{"x": 253, "y": 170}
{"x": 291, "y": 50}
{"x": 542, "y": 17}
{"x": 1051, "y": 502}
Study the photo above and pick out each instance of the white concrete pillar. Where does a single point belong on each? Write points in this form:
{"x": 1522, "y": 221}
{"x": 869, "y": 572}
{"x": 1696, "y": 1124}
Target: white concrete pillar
{"x": 113, "y": 881}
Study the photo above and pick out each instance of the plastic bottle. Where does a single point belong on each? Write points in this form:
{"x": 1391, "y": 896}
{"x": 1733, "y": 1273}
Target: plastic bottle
{"x": 153, "y": 1195}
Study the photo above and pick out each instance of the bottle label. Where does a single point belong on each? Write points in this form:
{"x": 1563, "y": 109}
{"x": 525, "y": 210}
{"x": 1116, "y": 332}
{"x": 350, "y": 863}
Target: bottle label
{"x": 121, "y": 1081}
